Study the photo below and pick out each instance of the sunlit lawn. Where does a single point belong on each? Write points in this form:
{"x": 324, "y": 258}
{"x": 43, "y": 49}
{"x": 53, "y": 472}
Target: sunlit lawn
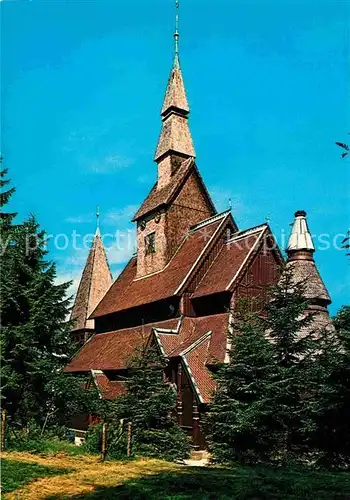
{"x": 84, "y": 477}
{"x": 15, "y": 474}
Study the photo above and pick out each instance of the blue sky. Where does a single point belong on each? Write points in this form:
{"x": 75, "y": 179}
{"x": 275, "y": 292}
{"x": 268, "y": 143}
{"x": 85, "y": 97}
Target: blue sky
{"x": 267, "y": 81}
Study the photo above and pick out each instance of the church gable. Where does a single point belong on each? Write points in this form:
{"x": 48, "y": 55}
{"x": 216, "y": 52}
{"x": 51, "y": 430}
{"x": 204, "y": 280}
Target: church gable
{"x": 190, "y": 206}
{"x": 160, "y": 232}
{"x": 128, "y": 291}
{"x": 261, "y": 271}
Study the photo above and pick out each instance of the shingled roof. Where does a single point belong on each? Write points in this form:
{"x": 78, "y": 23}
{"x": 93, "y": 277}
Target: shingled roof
{"x": 108, "y": 389}
{"x": 158, "y": 198}
{"x": 300, "y": 252}
{"x": 230, "y": 261}
{"x": 202, "y": 379}
{"x": 199, "y": 342}
{"x": 113, "y": 350}
{"x": 128, "y": 291}
{"x": 190, "y": 330}
{"x": 175, "y": 94}
{"x": 175, "y": 135}
{"x": 94, "y": 283}
{"x": 305, "y": 271}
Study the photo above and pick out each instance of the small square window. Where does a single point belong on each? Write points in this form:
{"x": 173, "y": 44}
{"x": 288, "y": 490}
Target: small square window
{"x": 150, "y": 243}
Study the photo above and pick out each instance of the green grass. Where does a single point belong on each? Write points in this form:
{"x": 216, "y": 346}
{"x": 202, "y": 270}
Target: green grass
{"x": 47, "y": 447}
{"x": 15, "y": 474}
{"x": 228, "y": 484}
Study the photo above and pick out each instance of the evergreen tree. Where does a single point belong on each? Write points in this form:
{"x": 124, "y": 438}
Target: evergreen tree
{"x": 35, "y": 341}
{"x": 263, "y": 407}
{"x": 148, "y": 404}
{"x": 332, "y": 435}
{"x": 241, "y": 414}
{"x": 296, "y": 345}
{"x": 5, "y": 195}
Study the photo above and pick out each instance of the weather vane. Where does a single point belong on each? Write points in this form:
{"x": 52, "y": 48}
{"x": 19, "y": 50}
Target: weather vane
{"x": 176, "y": 34}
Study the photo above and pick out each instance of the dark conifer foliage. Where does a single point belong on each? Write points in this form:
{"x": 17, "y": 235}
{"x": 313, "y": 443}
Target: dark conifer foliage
{"x": 296, "y": 343}
{"x": 5, "y": 196}
{"x": 148, "y": 404}
{"x": 241, "y": 415}
{"x": 332, "y": 435}
{"x": 262, "y": 409}
{"x": 35, "y": 341}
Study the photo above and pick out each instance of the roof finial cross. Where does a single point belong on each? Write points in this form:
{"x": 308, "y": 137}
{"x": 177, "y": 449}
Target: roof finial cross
{"x": 176, "y": 35}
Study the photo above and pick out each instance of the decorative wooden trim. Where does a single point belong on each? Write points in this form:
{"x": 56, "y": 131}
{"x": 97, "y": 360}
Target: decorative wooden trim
{"x": 195, "y": 419}
{"x": 199, "y": 258}
{"x": 179, "y": 393}
{"x": 251, "y": 251}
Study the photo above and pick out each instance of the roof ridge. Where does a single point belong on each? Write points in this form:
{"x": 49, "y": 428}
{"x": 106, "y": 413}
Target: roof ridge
{"x": 137, "y": 326}
{"x": 202, "y": 253}
{"x": 195, "y": 343}
{"x": 169, "y": 190}
{"x": 89, "y": 263}
{"x": 93, "y": 255}
{"x": 209, "y": 220}
{"x": 242, "y": 266}
{"x": 246, "y": 232}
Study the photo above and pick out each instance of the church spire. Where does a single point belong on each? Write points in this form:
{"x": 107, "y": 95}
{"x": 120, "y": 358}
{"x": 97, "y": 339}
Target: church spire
{"x": 175, "y": 142}
{"x": 94, "y": 283}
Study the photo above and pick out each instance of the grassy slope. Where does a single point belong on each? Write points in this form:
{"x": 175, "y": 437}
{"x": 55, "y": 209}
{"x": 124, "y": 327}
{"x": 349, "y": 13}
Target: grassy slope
{"x": 158, "y": 480}
{"x": 15, "y": 474}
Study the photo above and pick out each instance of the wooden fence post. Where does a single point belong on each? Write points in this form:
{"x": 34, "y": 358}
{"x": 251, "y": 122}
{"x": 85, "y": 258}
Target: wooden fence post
{"x": 3, "y": 429}
{"x": 128, "y": 451}
{"x": 104, "y": 441}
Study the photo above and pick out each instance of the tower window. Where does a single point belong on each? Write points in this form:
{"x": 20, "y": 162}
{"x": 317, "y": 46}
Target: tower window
{"x": 150, "y": 243}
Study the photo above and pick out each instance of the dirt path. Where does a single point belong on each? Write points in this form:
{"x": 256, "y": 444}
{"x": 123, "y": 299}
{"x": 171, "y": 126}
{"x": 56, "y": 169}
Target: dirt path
{"x": 89, "y": 473}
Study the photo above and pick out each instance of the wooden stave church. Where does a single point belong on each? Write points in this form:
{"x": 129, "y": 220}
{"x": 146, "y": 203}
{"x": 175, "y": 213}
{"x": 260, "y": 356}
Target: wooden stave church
{"x": 180, "y": 291}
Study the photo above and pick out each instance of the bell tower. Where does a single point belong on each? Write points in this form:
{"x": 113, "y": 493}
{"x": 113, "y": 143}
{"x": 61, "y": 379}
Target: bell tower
{"x": 179, "y": 198}
{"x": 175, "y": 142}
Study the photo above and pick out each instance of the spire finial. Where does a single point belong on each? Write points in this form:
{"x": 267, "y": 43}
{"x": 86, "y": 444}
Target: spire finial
{"x": 176, "y": 35}
{"x": 300, "y": 244}
{"x": 97, "y": 220}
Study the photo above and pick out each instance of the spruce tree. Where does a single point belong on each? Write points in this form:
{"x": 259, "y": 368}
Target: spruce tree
{"x": 241, "y": 415}
{"x": 148, "y": 405}
{"x": 5, "y": 196}
{"x": 332, "y": 434}
{"x": 35, "y": 341}
{"x": 265, "y": 399}
{"x": 296, "y": 344}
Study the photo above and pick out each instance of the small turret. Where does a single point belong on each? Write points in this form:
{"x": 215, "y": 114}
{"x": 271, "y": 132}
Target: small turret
{"x": 300, "y": 252}
{"x": 95, "y": 281}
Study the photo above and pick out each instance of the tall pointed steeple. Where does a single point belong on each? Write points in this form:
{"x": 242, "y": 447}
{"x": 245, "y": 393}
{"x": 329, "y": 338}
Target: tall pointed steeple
{"x": 94, "y": 283}
{"x": 175, "y": 142}
{"x": 300, "y": 252}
